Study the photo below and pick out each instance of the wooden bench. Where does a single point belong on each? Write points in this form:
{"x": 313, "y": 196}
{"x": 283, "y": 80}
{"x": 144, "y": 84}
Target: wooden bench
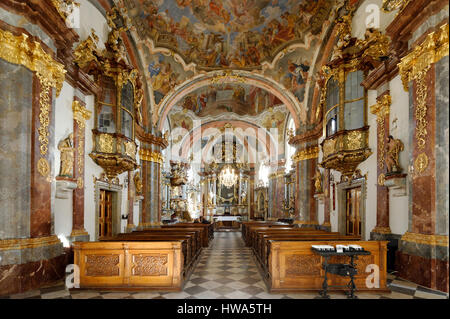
{"x": 250, "y": 233}
{"x": 188, "y": 251}
{"x": 246, "y": 225}
{"x": 207, "y": 230}
{"x": 265, "y": 246}
{"x": 294, "y": 267}
{"x": 130, "y": 265}
{"x": 193, "y": 231}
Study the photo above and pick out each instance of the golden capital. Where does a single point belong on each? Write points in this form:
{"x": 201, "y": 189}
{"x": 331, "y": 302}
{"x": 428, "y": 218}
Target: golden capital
{"x": 431, "y": 50}
{"x": 305, "y": 154}
{"x": 150, "y": 156}
{"x": 80, "y": 113}
{"x": 383, "y": 106}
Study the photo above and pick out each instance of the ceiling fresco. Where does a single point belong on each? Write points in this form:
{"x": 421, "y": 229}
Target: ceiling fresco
{"x": 241, "y": 99}
{"x": 181, "y": 41}
{"x": 228, "y": 33}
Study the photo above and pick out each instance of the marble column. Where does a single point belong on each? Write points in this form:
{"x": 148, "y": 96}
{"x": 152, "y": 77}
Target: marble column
{"x": 80, "y": 116}
{"x": 131, "y": 198}
{"x": 326, "y": 225}
{"x": 382, "y": 111}
{"x": 305, "y": 163}
{"x": 31, "y": 255}
{"x": 151, "y": 160}
{"x": 423, "y": 249}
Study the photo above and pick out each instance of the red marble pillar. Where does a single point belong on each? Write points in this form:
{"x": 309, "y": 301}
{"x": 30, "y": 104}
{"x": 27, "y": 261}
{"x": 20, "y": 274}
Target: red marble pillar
{"x": 326, "y": 199}
{"x": 42, "y": 122}
{"x": 80, "y": 115}
{"x": 424, "y": 176}
{"x": 381, "y": 110}
{"x": 131, "y": 197}
{"x": 312, "y": 201}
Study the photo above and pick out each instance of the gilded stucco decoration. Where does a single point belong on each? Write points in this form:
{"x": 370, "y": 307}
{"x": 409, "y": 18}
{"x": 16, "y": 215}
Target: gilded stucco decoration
{"x": 80, "y": 115}
{"x": 392, "y": 5}
{"x": 20, "y": 50}
{"x": 150, "y": 156}
{"x": 415, "y": 66}
{"x": 305, "y": 154}
{"x": 105, "y": 143}
{"x": 381, "y": 110}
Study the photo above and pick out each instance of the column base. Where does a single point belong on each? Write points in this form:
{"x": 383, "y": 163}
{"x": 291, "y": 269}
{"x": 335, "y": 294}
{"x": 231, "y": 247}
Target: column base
{"x": 130, "y": 228}
{"x": 423, "y": 259}
{"x": 29, "y": 263}
{"x": 78, "y": 235}
{"x": 381, "y": 230}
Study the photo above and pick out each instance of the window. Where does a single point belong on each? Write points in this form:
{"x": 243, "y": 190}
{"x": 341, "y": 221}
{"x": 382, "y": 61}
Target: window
{"x": 126, "y": 105}
{"x": 352, "y": 104}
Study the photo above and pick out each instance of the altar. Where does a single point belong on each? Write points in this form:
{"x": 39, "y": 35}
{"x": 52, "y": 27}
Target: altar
{"x": 227, "y": 221}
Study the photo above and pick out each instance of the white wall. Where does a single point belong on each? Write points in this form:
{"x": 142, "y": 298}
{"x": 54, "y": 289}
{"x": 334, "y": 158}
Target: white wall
{"x": 369, "y": 167}
{"x": 399, "y": 129}
{"x": 63, "y": 127}
{"x": 91, "y": 18}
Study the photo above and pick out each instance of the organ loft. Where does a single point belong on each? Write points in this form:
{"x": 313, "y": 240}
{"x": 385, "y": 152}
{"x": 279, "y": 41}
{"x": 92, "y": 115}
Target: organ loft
{"x": 224, "y": 149}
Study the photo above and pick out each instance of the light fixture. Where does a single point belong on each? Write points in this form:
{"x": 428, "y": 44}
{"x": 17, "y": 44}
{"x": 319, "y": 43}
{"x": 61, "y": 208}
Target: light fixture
{"x": 227, "y": 176}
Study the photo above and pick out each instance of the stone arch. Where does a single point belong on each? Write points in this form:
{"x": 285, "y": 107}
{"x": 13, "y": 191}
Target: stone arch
{"x": 268, "y": 84}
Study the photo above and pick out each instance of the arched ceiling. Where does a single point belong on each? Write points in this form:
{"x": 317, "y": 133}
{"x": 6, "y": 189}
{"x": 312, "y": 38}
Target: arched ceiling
{"x": 216, "y": 58}
{"x": 217, "y": 34}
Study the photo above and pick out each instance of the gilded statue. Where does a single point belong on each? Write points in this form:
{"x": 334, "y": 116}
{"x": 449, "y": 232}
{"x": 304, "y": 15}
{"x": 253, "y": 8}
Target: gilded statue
{"x": 393, "y": 149}
{"x": 66, "y": 148}
{"x": 138, "y": 183}
{"x": 318, "y": 181}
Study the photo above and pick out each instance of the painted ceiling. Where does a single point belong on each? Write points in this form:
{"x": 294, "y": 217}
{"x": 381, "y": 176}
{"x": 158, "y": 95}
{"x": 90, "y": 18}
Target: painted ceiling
{"x": 228, "y": 33}
{"x": 179, "y": 41}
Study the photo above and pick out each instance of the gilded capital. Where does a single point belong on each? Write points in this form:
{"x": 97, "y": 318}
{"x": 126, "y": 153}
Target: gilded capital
{"x": 383, "y": 106}
{"x": 80, "y": 113}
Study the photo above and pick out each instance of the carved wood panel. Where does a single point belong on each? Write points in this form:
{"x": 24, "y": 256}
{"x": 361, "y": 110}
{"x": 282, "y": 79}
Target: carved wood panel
{"x": 102, "y": 265}
{"x": 149, "y": 265}
{"x": 303, "y": 265}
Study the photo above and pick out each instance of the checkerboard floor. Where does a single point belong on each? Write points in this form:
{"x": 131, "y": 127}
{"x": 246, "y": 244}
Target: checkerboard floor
{"x": 227, "y": 270}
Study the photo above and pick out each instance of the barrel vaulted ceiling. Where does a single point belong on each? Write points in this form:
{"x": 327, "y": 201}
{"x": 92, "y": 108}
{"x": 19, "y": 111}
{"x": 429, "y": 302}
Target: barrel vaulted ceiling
{"x": 241, "y": 59}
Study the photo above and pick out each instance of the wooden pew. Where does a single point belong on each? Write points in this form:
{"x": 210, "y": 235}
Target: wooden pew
{"x": 250, "y": 232}
{"x": 195, "y": 231}
{"x": 265, "y": 246}
{"x": 206, "y": 229}
{"x": 294, "y": 267}
{"x": 187, "y": 254}
{"x": 258, "y": 235}
{"x": 190, "y": 253}
{"x": 130, "y": 265}
{"x": 246, "y": 225}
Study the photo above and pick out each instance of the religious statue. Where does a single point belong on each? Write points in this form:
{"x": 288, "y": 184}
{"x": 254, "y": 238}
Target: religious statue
{"x": 66, "y": 148}
{"x": 393, "y": 148}
{"x": 318, "y": 181}
{"x": 138, "y": 183}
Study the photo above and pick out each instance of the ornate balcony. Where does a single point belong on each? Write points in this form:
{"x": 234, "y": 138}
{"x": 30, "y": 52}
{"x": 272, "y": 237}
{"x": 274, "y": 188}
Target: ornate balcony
{"x": 345, "y": 150}
{"x": 114, "y": 152}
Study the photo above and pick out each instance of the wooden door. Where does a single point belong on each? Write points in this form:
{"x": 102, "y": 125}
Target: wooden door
{"x": 105, "y": 214}
{"x": 353, "y": 219}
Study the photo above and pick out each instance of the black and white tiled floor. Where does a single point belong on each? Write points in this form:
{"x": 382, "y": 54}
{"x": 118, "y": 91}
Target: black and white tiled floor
{"x": 227, "y": 270}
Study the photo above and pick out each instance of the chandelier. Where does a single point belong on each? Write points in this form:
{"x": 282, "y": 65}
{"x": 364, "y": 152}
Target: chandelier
{"x": 228, "y": 177}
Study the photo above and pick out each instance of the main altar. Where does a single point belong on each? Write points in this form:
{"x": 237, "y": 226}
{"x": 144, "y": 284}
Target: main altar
{"x": 225, "y": 186}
